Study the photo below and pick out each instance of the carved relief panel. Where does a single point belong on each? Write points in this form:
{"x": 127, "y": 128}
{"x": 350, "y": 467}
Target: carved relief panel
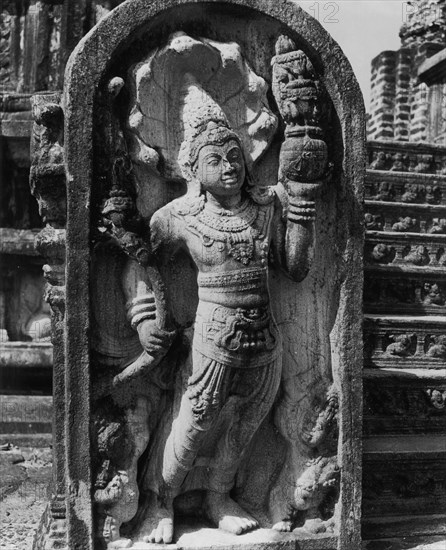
{"x": 222, "y": 255}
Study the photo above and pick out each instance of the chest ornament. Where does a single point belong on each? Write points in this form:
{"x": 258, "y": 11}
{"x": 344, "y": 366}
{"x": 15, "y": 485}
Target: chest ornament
{"x": 238, "y": 230}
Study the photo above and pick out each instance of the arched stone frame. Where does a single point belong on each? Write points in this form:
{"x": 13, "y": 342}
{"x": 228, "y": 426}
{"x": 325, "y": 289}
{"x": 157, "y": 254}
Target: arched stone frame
{"x": 85, "y": 69}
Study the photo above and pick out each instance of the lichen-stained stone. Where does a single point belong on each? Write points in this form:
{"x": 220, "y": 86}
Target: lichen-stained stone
{"x": 214, "y": 156}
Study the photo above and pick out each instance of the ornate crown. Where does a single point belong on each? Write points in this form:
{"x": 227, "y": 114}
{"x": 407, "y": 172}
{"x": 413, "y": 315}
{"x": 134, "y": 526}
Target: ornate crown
{"x": 204, "y": 124}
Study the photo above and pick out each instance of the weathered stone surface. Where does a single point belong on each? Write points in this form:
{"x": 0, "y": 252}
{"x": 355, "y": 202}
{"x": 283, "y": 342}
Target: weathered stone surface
{"x": 24, "y": 492}
{"x": 316, "y": 95}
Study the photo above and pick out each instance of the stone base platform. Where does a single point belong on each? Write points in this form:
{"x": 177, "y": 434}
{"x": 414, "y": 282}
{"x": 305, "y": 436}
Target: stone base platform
{"x": 202, "y": 537}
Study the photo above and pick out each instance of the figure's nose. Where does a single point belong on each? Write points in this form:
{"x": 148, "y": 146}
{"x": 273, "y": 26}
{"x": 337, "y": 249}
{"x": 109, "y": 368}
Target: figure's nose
{"x": 228, "y": 166}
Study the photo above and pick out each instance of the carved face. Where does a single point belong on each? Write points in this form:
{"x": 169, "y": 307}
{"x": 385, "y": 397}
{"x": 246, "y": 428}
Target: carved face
{"x": 221, "y": 168}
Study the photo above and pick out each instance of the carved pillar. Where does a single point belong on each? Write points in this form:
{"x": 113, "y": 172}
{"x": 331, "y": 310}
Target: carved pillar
{"x": 47, "y": 182}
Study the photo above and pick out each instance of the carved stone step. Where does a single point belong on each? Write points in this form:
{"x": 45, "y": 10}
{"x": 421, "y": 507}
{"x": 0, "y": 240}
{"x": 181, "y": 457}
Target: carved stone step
{"x": 35, "y": 440}
{"x": 201, "y": 537}
{"x": 404, "y": 402}
{"x": 408, "y": 187}
{"x": 414, "y": 249}
{"x": 23, "y": 354}
{"x": 405, "y": 217}
{"x": 405, "y": 341}
{"x": 430, "y": 528}
{"x": 404, "y": 446}
{"x": 404, "y": 475}
{"x": 412, "y": 157}
{"x": 413, "y": 293}
{"x": 13, "y": 102}
{"x": 16, "y": 125}
{"x": 25, "y": 415}
{"x": 18, "y": 241}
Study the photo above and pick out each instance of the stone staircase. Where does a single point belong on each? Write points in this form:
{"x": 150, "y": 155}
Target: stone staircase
{"x": 404, "y": 477}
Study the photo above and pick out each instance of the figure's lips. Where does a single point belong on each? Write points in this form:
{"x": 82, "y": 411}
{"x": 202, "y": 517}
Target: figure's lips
{"x": 230, "y": 180}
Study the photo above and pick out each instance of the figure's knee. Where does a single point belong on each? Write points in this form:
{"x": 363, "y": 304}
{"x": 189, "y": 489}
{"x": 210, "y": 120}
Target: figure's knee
{"x": 204, "y": 410}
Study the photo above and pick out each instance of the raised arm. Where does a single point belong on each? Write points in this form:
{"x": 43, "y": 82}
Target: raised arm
{"x": 293, "y": 239}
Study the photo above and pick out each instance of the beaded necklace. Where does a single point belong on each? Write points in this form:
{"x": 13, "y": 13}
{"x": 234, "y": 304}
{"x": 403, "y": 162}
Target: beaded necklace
{"x": 239, "y": 228}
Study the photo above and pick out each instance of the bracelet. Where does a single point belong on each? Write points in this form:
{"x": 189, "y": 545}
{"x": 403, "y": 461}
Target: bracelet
{"x": 301, "y": 211}
{"x": 141, "y": 308}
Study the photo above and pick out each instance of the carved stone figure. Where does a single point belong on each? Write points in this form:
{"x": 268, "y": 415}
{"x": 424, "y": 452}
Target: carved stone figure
{"x": 438, "y": 347}
{"x": 399, "y": 164}
{"x": 438, "y": 226}
{"x": 27, "y": 315}
{"x": 385, "y": 192}
{"x": 312, "y": 488}
{"x": 382, "y": 253}
{"x": 379, "y": 161}
{"x": 402, "y": 345}
{"x": 229, "y": 234}
{"x": 437, "y": 398}
{"x": 417, "y": 256}
{"x": 433, "y": 295}
{"x": 229, "y": 230}
{"x": 405, "y": 224}
{"x": 424, "y": 164}
{"x": 294, "y": 84}
{"x": 432, "y": 194}
{"x": 373, "y": 221}
{"x": 411, "y": 192}
{"x": 213, "y": 239}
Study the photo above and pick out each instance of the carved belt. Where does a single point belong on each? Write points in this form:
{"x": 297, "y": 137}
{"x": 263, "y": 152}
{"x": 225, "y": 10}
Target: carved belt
{"x": 238, "y": 337}
{"x": 246, "y": 281}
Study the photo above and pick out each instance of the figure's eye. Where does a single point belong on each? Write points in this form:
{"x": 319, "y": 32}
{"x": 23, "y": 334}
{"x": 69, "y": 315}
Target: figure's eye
{"x": 213, "y": 160}
{"x": 234, "y": 155}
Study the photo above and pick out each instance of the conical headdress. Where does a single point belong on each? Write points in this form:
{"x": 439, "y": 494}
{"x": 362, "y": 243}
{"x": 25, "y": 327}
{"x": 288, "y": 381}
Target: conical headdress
{"x": 204, "y": 123}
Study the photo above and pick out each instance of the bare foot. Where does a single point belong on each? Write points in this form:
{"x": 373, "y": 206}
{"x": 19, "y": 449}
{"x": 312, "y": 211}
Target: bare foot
{"x": 284, "y": 525}
{"x": 158, "y": 526}
{"x": 227, "y": 514}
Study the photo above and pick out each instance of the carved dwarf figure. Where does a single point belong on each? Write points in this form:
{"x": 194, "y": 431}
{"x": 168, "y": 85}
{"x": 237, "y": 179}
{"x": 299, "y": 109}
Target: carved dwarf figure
{"x": 433, "y": 295}
{"x": 417, "y": 256}
{"x": 379, "y": 161}
{"x": 432, "y": 194}
{"x": 438, "y": 226}
{"x": 411, "y": 192}
{"x": 438, "y": 347}
{"x": 401, "y": 346}
{"x": 404, "y": 224}
{"x": 424, "y": 164}
{"x": 399, "y": 163}
{"x": 385, "y": 192}
{"x": 372, "y": 221}
{"x": 381, "y": 253}
{"x": 312, "y": 488}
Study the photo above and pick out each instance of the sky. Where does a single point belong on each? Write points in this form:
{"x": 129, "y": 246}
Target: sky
{"x": 362, "y": 28}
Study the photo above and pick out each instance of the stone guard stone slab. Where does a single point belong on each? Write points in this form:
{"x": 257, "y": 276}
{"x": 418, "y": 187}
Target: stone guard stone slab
{"x": 334, "y": 284}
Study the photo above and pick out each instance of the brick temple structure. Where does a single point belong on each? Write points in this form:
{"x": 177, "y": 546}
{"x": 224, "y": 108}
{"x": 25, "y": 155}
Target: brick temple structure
{"x": 404, "y": 471}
